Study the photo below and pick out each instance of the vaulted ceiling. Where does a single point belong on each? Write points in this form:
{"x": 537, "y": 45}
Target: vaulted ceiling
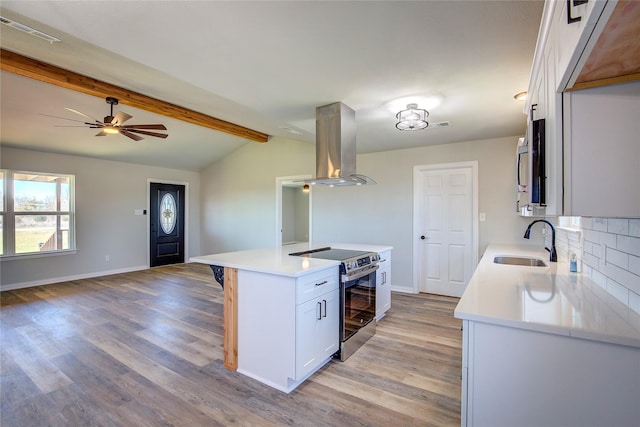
{"x": 266, "y": 65}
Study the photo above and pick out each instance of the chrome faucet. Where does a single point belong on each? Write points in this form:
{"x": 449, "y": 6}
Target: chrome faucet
{"x": 553, "y": 256}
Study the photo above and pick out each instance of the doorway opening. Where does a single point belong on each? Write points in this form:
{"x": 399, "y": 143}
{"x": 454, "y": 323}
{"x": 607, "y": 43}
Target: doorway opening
{"x": 293, "y": 210}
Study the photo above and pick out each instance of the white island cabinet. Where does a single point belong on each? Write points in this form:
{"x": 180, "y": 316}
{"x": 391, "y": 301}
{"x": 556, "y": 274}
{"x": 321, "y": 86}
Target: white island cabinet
{"x": 287, "y": 326}
{"x": 282, "y": 312}
{"x": 545, "y": 347}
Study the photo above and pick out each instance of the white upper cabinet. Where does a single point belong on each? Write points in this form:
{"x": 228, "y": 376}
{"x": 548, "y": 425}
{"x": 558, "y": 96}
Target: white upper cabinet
{"x": 573, "y": 25}
{"x": 591, "y": 136}
{"x": 602, "y": 151}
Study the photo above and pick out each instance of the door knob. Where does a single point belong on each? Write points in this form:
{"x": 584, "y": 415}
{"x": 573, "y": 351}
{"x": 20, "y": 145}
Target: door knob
{"x": 422, "y": 237}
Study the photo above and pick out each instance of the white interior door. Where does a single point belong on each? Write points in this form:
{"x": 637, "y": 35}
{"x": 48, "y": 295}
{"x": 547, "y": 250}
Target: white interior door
{"x": 446, "y": 236}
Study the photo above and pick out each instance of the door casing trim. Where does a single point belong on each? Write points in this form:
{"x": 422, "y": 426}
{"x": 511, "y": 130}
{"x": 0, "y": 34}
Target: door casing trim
{"x": 473, "y": 165}
{"x": 186, "y": 216}
{"x": 280, "y": 182}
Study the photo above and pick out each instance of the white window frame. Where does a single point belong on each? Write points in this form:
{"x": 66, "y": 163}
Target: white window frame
{"x": 8, "y": 215}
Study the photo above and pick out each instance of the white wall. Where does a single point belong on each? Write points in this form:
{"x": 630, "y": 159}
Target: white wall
{"x": 239, "y": 197}
{"x": 107, "y": 193}
{"x": 383, "y": 213}
{"x": 238, "y": 203}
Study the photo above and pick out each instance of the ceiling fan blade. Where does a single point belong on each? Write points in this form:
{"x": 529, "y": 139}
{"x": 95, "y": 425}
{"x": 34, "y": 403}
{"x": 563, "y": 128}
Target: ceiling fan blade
{"x": 144, "y": 132}
{"x": 82, "y": 114}
{"x": 64, "y": 118}
{"x": 156, "y": 127}
{"x": 75, "y": 126}
{"x": 120, "y": 118}
{"x": 130, "y": 135}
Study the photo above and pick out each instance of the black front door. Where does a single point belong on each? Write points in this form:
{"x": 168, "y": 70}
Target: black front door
{"x": 166, "y": 222}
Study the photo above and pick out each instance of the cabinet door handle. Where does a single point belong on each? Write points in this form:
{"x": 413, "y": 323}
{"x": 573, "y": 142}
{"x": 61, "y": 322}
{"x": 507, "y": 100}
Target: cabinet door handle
{"x": 319, "y": 305}
{"x": 324, "y": 301}
{"x": 570, "y": 4}
{"x": 322, "y": 283}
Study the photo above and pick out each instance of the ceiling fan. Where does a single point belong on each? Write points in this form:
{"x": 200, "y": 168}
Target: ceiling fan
{"x": 115, "y": 124}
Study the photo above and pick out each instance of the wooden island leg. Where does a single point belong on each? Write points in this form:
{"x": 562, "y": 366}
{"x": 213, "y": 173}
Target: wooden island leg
{"x": 231, "y": 318}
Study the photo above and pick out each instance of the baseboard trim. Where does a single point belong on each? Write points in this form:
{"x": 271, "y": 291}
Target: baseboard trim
{"x": 51, "y": 281}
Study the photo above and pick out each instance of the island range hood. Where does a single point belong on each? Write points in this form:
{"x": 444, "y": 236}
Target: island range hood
{"x": 336, "y": 147}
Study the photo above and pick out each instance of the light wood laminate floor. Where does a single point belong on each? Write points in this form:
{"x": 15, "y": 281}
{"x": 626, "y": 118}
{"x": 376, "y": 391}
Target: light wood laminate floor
{"x": 145, "y": 349}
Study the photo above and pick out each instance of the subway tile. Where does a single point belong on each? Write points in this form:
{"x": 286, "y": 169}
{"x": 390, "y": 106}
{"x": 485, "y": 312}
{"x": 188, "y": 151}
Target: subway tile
{"x": 634, "y": 227}
{"x": 630, "y": 245}
{"x": 591, "y": 261}
{"x": 629, "y": 280}
{"x": 634, "y": 264}
{"x": 586, "y": 270}
{"x": 618, "y": 291}
{"x": 587, "y": 247}
{"x": 634, "y": 302}
{"x": 609, "y": 270}
{"x": 574, "y": 237}
{"x": 619, "y": 240}
{"x": 616, "y": 257}
{"x": 599, "y": 279}
{"x": 591, "y": 236}
{"x": 608, "y": 239}
{"x": 597, "y": 250}
{"x": 599, "y": 224}
{"x": 618, "y": 225}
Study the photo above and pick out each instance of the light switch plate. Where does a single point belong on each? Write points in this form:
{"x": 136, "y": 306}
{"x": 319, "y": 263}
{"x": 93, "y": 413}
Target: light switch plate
{"x": 483, "y": 217}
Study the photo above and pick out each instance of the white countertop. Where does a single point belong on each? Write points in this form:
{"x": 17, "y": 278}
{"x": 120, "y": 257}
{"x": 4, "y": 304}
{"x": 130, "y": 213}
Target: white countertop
{"x": 545, "y": 299}
{"x": 276, "y": 260}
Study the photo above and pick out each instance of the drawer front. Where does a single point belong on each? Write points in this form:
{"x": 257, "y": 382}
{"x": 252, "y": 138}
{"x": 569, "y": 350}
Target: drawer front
{"x": 316, "y": 284}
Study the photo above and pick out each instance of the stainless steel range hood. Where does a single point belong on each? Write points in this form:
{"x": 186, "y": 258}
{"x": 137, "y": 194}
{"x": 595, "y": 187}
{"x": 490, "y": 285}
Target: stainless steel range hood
{"x": 336, "y": 147}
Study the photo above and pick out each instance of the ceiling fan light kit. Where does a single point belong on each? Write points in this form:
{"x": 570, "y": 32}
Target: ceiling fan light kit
{"x": 413, "y": 118}
{"x": 114, "y": 124}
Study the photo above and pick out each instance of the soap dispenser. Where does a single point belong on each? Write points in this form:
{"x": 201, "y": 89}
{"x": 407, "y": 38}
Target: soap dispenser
{"x": 573, "y": 263}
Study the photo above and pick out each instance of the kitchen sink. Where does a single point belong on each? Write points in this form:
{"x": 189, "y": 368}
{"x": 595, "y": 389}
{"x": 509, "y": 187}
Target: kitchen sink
{"x": 514, "y": 260}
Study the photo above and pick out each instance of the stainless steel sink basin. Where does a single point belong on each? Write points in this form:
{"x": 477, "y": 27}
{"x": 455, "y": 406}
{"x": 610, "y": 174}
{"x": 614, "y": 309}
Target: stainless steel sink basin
{"x": 515, "y": 260}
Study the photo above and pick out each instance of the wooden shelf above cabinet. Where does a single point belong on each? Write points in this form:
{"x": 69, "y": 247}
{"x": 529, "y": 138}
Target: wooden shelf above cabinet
{"x": 615, "y": 58}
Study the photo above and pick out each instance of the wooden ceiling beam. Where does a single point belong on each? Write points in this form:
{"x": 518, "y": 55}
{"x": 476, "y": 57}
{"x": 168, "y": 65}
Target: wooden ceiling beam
{"x": 37, "y": 70}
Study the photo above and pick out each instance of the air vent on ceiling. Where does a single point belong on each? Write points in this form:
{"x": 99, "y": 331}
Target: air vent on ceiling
{"x": 26, "y": 29}
{"x": 438, "y": 125}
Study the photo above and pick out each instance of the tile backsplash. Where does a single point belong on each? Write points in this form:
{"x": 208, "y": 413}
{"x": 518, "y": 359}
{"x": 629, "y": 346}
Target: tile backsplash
{"x": 608, "y": 251}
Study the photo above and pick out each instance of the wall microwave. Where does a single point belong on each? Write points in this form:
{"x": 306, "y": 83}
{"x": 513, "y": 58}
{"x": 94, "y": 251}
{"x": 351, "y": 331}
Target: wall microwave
{"x": 530, "y": 171}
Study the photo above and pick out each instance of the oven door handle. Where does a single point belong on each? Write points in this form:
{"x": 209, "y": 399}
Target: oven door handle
{"x": 346, "y": 278}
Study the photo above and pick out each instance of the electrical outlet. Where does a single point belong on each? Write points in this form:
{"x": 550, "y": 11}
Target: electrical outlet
{"x": 106, "y": 258}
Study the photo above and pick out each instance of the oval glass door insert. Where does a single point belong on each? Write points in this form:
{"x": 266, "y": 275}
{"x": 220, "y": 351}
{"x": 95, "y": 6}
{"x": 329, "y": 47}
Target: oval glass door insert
{"x": 168, "y": 213}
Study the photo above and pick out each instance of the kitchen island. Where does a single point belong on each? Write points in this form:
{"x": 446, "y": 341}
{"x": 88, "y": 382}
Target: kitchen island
{"x": 281, "y": 312}
{"x": 543, "y": 346}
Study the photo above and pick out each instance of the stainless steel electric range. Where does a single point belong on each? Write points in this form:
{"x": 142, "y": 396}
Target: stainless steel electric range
{"x": 357, "y": 295}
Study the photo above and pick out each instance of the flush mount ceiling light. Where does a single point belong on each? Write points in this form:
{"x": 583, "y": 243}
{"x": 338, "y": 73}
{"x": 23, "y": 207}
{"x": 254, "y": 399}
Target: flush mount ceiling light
{"x": 413, "y": 118}
{"x": 520, "y": 96}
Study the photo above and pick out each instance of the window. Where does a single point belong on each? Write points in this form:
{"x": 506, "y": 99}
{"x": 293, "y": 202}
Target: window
{"x": 36, "y": 213}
